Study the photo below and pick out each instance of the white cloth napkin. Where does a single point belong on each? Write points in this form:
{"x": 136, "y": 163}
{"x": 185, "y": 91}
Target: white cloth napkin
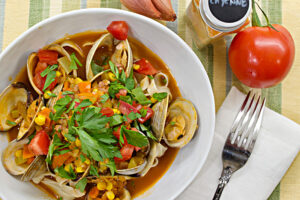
{"x": 276, "y": 147}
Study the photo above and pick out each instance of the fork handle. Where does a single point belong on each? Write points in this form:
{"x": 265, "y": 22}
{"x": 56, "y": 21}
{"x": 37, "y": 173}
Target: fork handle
{"x": 223, "y": 180}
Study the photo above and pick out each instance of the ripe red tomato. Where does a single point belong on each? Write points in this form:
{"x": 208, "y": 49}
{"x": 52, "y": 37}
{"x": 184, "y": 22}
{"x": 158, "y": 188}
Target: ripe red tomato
{"x": 261, "y": 57}
{"x": 48, "y": 56}
{"x": 147, "y": 117}
{"x": 108, "y": 112}
{"x": 145, "y": 67}
{"x": 39, "y": 145}
{"x": 126, "y": 152}
{"x": 119, "y": 29}
{"x": 126, "y": 108}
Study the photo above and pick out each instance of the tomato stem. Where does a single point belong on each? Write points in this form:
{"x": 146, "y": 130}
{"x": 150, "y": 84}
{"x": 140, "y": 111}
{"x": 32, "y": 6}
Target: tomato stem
{"x": 266, "y": 17}
{"x": 255, "y": 18}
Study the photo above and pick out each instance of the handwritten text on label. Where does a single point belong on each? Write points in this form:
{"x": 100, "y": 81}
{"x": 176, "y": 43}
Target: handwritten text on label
{"x": 242, "y": 3}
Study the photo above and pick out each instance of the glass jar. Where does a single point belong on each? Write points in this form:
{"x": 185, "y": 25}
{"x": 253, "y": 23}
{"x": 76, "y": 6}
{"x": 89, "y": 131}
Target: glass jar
{"x": 210, "y": 20}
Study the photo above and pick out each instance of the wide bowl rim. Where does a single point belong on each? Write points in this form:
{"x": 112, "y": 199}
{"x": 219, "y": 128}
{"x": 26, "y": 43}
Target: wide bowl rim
{"x": 163, "y": 29}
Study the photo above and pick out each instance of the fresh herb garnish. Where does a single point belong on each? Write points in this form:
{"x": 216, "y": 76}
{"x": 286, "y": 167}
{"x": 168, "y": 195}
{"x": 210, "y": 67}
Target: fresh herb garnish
{"x": 150, "y": 77}
{"x": 74, "y": 62}
{"x": 67, "y": 92}
{"x": 51, "y": 94}
{"x": 149, "y": 134}
{"x": 143, "y": 112}
{"x": 48, "y": 70}
{"x": 127, "y": 99}
{"x": 134, "y": 138}
{"x": 60, "y": 107}
{"x": 81, "y": 184}
{"x": 114, "y": 88}
{"x": 82, "y": 158}
{"x": 172, "y": 123}
{"x": 64, "y": 174}
{"x": 114, "y": 69}
{"x": 50, "y": 79}
{"x": 112, "y": 167}
{"x": 93, "y": 171}
{"x": 133, "y": 116}
{"x": 104, "y": 98}
{"x": 160, "y": 96}
{"x": 56, "y": 142}
{"x": 84, "y": 103}
{"x": 96, "y": 69}
{"x": 11, "y": 123}
{"x": 140, "y": 96}
{"x": 116, "y": 120}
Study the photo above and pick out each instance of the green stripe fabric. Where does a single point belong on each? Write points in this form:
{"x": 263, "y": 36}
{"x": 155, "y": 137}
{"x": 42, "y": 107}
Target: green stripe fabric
{"x": 2, "y": 13}
{"x": 273, "y": 9}
{"x": 173, "y": 25}
{"x": 111, "y": 4}
{"x": 68, "y": 5}
{"x": 83, "y": 4}
{"x": 36, "y": 14}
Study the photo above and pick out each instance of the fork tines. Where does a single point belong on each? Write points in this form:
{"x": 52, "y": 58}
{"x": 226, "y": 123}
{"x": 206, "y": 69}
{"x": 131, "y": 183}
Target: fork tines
{"x": 247, "y": 123}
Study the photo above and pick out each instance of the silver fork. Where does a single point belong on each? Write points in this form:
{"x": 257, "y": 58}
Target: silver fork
{"x": 241, "y": 139}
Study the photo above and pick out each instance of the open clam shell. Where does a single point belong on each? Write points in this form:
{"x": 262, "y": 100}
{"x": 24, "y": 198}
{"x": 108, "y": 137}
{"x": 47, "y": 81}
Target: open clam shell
{"x": 157, "y": 150}
{"x": 159, "y": 118}
{"x": 104, "y": 40}
{"x": 31, "y": 64}
{"x": 27, "y": 125}
{"x": 123, "y": 56}
{"x": 27, "y": 171}
{"x": 137, "y": 169}
{"x": 14, "y": 98}
{"x": 181, "y": 123}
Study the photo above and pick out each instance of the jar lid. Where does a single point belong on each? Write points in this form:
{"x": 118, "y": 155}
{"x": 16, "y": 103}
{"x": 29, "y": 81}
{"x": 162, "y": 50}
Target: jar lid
{"x": 225, "y": 15}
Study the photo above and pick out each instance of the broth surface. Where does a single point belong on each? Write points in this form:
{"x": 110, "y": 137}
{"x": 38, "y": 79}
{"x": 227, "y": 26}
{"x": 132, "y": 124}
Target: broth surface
{"x": 139, "y": 185}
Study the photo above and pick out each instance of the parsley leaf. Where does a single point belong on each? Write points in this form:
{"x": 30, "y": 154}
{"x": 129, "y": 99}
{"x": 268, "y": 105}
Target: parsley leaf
{"x": 160, "y": 96}
{"x": 143, "y": 128}
{"x": 48, "y": 69}
{"x": 64, "y": 174}
{"x": 172, "y": 123}
{"x": 50, "y": 78}
{"x": 11, "y": 123}
{"x": 127, "y": 99}
{"x": 84, "y": 103}
{"x": 82, "y": 158}
{"x": 74, "y": 62}
{"x": 81, "y": 184}
{"x": 133, "y": 116}
{"x": 114, "y": 69}
{"x": 140, "y": 96}
{"x": 116, "y": 120}
{"x": 135, "y": 138}
{"x": 52, "y": 94}
{"x": 112, "y": 167}
{"x": 56, "y": 142}
{"x": 60, "y": 107}
{"x": 96, "y": 69}
{"x": 143, "y": 112}
{"x": 67, "y": 92}
{"x": 114, "y": 88}
{"x": 93, "y": 171}
{"x": 104, "y": 98}
{"x": 150, "y": 77}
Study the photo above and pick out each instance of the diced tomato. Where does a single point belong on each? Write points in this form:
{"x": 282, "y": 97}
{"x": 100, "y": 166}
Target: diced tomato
{"x": 148, "y": 115}
{"x": 122, "y": 92}
{"x": 59, "y": 160}
{"x": 84, "y": 87}
{"x": 48, "y": 56}
{"x": 119, "y": 29}
{"x": 39, "y": 145}
{"x": 93, "y": 193}
{"x": 108, "y": 112}
{"x": 27, "y": 153}
{"x": 126, "y": 152}
{"x": 145, "y": 67}
{"x": 136, "y": 105}
{"x": 126, "y": 108}
{"x": 41, "y": 66}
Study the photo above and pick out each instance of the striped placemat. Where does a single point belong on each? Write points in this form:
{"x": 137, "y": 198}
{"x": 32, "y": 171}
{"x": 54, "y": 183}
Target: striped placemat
{"x": 18, "y": 15}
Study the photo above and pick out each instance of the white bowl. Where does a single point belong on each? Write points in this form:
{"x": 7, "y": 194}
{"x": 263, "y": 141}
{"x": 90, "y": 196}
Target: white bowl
{"x": 183, "y": 63}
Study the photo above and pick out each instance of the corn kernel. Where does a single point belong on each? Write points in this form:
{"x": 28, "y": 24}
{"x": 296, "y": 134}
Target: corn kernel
{"x": 116, "y": 111}
{"x": 58, "y": 73}
{"x": 101, "y": 185}
{"x": 78, "y": 80}
{"x": 40, "y": 120}
{"x": 153, "y": 100}
{"x": 111, "y": 76}
{"x": 103, "y": 168}
{"x": 67, "y": 167}
{"x": 109, "y": 186}
{"x": 110, "y": 195}
{"x": 117, "y": 198}
{"x": 136, "y": 67}
{"x": 80, "y": 169}
{"x": 19, "y": 153}
{"x": 87, "y": 161}
{"x": 78, "y": 142}
{"x": 46, "y": 94}
{"x": 78, "y": 162}
{"x": 95, "y": 91}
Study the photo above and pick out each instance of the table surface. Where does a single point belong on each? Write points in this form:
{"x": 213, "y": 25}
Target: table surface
{"x": 17, "y": 16}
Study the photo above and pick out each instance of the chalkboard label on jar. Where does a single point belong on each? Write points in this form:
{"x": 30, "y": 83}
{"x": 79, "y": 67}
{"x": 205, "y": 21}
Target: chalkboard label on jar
{"x": 229, "y": 10}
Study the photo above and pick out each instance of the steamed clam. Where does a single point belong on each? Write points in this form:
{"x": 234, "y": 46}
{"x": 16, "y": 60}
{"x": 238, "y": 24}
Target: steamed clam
{"x": 181, "y": 123}
{"x": 13, "y": 101}
{"x": 16, "y": 164}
